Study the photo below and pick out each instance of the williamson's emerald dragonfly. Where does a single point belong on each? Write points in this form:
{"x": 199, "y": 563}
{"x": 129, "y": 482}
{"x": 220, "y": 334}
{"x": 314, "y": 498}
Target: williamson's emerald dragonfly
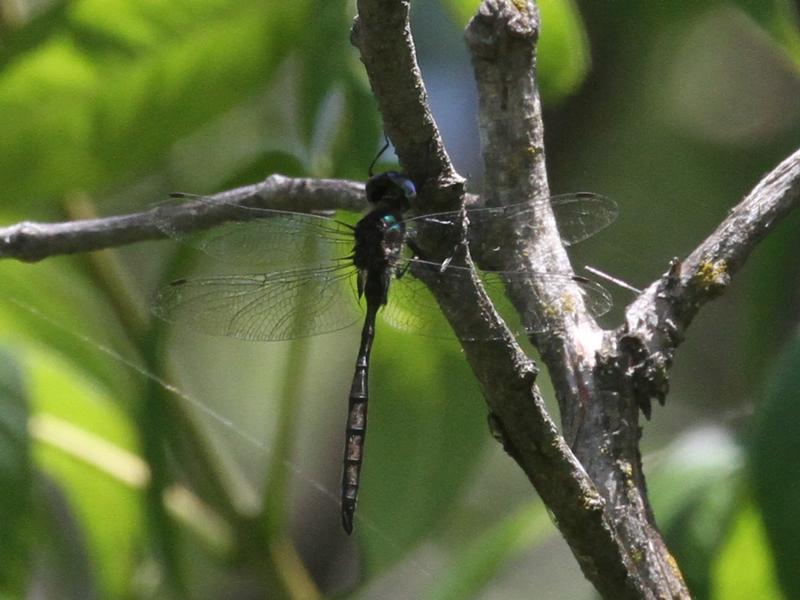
{"x": 306, "y": 275}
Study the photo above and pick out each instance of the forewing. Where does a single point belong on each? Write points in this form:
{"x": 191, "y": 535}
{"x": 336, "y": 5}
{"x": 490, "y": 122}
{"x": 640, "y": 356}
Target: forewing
{"x": 258, "y": 238}
{"x": 273, "y": 306}
{"x": 579, "y": 216}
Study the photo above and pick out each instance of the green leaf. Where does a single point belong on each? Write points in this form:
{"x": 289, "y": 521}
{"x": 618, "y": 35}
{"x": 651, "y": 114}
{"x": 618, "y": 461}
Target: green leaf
{"x": 744, "y": 568}
{"x": 354, "y": 147}
{"x": 105, "y": 94}
{"x": 15, "y": 476}
{"x": 325, "y": 52}
{"x": 113, "y": 528}
{"x": 479, "y": 561}
{"x": 52, "y": 304}
{"x": 266, "y": 162}
{"x": 338, "y": 118}
{"x": 775, "y": 470}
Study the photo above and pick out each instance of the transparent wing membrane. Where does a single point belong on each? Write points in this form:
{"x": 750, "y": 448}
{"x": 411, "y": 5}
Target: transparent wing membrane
{"x": 275, "y": 306}
{"x": 413, "y": 308}
{"x": 579, "y": 216}
{"x": 263, "y": 238}
{"x": 279, "y": 301}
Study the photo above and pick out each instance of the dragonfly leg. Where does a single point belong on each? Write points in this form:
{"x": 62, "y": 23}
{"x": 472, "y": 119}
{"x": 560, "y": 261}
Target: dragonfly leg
{"x": 420, "y": 255}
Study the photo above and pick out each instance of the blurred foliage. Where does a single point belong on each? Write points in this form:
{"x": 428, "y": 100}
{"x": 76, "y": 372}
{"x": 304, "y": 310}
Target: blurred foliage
{"x": 774, "y": 469}
{"x": 695, "y": 489}
{"x": 478, "y": 561}
{"x": 744, "y": 567}
{"x": 15, "y": 475}
{"x": 224, "y": 481}
{"x": 562, "y": 51}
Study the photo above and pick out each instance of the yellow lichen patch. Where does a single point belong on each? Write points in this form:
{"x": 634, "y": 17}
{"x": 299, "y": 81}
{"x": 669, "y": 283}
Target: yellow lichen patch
{"x": 522, "y": 5}
{"x": 592, "y": 501}
{"x": 568, "y": 303}
{"x": 673, "y": 564}
{"x": 535, "y": 151}
{"x": 550, "y": 311}
{"x": 710, "y": 275}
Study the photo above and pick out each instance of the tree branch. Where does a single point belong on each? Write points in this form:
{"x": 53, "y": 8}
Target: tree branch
{"x": 382, "y": 34}
{"x": 501, "y": 39}
{"x": 31, "y": 241}
{"x": 656, "y": 321}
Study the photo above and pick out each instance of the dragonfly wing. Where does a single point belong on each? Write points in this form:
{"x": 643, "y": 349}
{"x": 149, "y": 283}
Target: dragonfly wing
{"x": 258, "y": 237}
{"x": 579, "y": 216}
{"x": 559, "y": 293}
{"x": 272, "y": 306}
{"x": 412, "y": 307}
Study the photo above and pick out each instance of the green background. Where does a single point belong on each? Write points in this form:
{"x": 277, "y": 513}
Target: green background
{"x": 140, "y": 460}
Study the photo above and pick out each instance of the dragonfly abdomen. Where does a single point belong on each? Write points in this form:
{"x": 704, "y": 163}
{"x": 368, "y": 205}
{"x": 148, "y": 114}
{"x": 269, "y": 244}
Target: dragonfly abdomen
{"x": 357, "y": 418}
{"x": 354, "y": 443}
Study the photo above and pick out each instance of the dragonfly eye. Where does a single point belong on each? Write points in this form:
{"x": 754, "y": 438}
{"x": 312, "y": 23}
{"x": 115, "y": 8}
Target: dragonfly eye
{"x": 391, "y": 187}
{"x": 405, "y": 184}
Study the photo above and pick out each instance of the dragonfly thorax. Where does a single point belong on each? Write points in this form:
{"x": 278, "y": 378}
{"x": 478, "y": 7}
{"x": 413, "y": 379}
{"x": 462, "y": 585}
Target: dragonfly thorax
{"x": 379, "y": 239}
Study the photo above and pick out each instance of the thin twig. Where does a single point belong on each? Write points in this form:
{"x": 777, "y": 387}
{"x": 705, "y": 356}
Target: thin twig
{"x": 655, "y": 323}
{"x": 31, "y": 241}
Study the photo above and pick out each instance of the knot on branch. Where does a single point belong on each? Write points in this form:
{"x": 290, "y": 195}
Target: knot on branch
{"x": 647, "y": 372}
{"x": 631, "y": 366}
{"x": 500, "y": 23}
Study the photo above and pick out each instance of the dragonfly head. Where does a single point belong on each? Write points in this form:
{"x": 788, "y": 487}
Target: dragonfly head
{"x": 392, "y": 189}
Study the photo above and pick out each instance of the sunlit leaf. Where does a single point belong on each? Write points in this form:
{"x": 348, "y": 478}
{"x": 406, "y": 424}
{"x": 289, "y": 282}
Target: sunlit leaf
{"x": 84, "y": 444}
{"x": 780, "y": 19}
{"x": 71, "y": 318}
{"x": 324, "y": 51}
{"x": 108, "y": 91}
{"x": 744, "y": 569}
{"x": 113, "y": 528}
{"x": 563, "y": 56}
{"x": 694, "y": 487}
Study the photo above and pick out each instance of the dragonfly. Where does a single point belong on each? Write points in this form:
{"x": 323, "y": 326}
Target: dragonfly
{"x": 309, "y": 274}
